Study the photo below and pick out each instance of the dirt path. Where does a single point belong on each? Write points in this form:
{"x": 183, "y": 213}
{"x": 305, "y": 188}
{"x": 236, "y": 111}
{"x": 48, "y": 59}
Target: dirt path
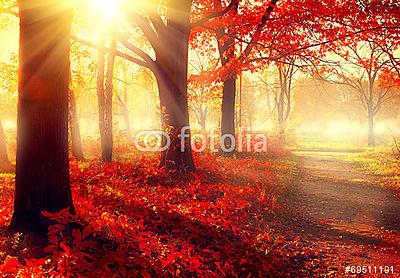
{"x": 339, "y": 212}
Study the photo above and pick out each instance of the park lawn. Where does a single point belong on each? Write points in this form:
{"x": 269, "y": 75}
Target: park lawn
{"x": 321, "y": 143}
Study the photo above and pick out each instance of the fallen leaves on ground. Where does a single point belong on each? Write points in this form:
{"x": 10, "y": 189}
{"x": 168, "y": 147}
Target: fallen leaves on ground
{"x": 134, "y": 219}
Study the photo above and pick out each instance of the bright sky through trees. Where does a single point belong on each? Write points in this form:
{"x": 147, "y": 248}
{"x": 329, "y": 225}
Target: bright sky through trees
{"x": 105, "y": 9}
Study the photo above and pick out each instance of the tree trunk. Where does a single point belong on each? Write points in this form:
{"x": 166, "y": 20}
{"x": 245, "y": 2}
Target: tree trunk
{"x": 270, "y": 108}
{"x": 125, "y": 112}
{"x": 42, "y": 174}
{"x": 172, "y": 70}
{"x": 203, "y": 119}
{"x": 227, "y": 53}
{"x": 201, "y": 114}
{"x": 228, "y": 116}
{"x": 371, "y": 135}
{"x": 281, "y": 111}
{"x": 101, "y": 65}
{"x": 105, "y": 91}
{"x": 108, "y": 97}
{"x": 127, "y": 119}
{"x": 5, "y": 164}
{"x": 76, "y": 140}
{"x": 281, "y": 104}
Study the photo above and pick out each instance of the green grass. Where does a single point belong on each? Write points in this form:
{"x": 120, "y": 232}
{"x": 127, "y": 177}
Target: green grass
{"x": 327, "y": 144}
{"x": 380, "y": 161}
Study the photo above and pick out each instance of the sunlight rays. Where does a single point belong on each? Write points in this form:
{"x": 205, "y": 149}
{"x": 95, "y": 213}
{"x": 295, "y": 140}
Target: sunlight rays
{"x": 107, "y": 9}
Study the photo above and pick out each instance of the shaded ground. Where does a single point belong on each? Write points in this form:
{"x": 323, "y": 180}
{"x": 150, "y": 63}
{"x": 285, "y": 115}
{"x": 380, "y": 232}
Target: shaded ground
{"x": 340, "y": 213}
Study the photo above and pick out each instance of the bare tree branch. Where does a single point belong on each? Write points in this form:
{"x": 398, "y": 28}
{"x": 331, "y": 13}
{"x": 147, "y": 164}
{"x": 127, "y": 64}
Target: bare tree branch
{"x": 117, "y": 53}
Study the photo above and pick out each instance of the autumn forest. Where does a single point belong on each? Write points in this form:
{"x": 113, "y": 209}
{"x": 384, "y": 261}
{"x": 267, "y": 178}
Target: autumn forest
{"x": 188, "y": 138}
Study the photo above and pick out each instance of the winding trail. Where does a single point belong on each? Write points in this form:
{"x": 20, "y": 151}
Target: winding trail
{"x": 343, "y": 214}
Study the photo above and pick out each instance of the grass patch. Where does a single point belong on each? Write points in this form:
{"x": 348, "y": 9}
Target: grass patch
{"x": 327, "y": 144}
{"x": 380, "y": 162}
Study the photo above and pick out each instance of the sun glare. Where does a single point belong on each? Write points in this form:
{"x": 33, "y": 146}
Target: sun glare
{"x": 105, "y": 8}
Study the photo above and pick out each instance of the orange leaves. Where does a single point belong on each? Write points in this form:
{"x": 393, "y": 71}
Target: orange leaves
{"x": 6, "y": 199}
{"x": 11, "y": 265}
{"x": 389, "y": 79}
{"x": 140, "y": 220}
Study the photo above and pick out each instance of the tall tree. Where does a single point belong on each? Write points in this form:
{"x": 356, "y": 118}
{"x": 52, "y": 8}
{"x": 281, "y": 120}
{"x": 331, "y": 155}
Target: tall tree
{"x": 76, "y": 139}
{"x": 5, "y": 164}
{"x": 123, "y": 105}
{"x": 105, "y": 91}
{"x": 101, "y": 67}
{"x": 226, "y": 48}
{"x": 226, "y": 27}
{"x": 108, "y": 104}
{"x": 202, "y": 96}
{"x": 359, "y": 67}
{"x": 284, "y": 100}
{"x": 283, "y": 90}
{"x": 122, "y": 98}
{"x": 42, "y": 174}
{"x": 170, "y": 68}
